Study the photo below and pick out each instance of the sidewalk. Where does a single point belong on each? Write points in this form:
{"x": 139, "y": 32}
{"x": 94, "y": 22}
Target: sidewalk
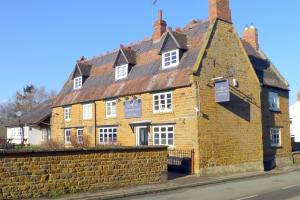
{"x": 175, "y": 184}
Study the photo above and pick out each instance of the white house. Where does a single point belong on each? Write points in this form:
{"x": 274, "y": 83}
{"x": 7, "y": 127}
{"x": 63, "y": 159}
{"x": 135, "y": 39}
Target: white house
{"x": 33, "y": 126}
{"x": 295, "y": 116}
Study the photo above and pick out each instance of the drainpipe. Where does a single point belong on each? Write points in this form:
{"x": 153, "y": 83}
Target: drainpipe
{"x": 95, "y": 124}
{"x": 198, "y": 103}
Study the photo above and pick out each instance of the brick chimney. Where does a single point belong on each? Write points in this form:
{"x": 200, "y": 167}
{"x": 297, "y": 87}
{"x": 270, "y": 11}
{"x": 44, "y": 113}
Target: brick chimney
{"x": 250, "y": 35}
{"x": 219, "y": 9}
{"x": 160, "y": 27}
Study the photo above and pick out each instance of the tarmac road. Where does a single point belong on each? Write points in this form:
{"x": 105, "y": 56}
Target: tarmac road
{"x": 277, "y": 187}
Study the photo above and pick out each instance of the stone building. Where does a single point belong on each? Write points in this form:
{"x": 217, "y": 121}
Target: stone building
{"x": 199, "y": 87}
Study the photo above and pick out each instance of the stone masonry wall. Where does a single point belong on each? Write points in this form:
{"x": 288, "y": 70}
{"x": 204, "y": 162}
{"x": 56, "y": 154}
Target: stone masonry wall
{"x": 27, "y": 175}
{"x": 280, "y": 119}
{"x": 183, "y": 117}
{"x": 230, "y": 135}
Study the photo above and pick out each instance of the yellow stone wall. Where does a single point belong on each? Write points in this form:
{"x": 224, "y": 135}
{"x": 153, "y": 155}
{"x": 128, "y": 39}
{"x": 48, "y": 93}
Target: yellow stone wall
{"x": 183, "y": 117}
{"x": 52, "y": 173}
{"x": 230, "y": 133}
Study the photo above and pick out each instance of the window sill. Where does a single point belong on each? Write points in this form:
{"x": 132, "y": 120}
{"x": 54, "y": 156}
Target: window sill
{"x": 276, "y": 147}
{"x": 274, "y": 110}
{"x": 163, "y": 112}
{"x": 169, "y": 66}
{"x": 88, "y": 119}
{"x": 112, "y": 117}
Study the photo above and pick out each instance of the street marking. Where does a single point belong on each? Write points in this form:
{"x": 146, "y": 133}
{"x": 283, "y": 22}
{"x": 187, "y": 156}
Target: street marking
{"x": 248, "y": 197}
{"x": 291, "y": 186}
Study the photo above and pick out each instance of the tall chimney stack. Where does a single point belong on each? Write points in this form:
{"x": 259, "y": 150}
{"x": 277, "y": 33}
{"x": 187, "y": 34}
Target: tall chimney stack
{"x": 298, "y": 99}
{"x": 219, "y": 9}
{"x": 250, "y": 35}
{"x": 160, "y": 27}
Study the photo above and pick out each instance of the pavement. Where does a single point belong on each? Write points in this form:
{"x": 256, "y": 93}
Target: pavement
{"x": 175, "y": 182}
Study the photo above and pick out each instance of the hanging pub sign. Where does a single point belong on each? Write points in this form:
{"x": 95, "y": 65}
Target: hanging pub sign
{"x": 133, "y": 108}
{"x": 222, "y": 91}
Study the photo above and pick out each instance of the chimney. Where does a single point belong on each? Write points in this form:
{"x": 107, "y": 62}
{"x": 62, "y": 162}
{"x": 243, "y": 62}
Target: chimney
{"x": 219, "y": 9}
{"x": 250, "y": 35}
{"x": 160, "y": 27}
{"x": 298, "y": 99}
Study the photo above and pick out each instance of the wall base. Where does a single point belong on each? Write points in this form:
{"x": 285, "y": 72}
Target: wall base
{"x": 231, "y": 169}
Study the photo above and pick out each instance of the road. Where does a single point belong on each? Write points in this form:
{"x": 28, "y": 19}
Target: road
{"x": 275, "y": 187}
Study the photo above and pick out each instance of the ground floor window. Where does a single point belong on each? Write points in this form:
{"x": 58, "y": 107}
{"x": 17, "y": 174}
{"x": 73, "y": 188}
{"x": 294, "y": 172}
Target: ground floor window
{"x": 163, "y": 135}
{"x": 107, "y": 135}
{"x": 79, "y": 136}
{"x": 67, "y": 136}
{"x": 45, "y": 135}
{"x": 275, "y": 137}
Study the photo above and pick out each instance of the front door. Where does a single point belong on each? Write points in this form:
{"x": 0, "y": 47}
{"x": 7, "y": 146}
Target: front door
{"x": 142, "y": 136}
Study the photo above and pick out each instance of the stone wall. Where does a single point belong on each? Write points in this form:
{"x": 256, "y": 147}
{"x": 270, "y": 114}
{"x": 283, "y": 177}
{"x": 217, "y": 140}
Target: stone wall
{"x": 296, "y": 158}
{"x": 230, "y": 135}
{"x": 26, "y": 175}
{"x": 280, "y": 119}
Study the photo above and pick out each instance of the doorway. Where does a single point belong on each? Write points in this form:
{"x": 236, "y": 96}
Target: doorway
{"x": 142, "y": 136}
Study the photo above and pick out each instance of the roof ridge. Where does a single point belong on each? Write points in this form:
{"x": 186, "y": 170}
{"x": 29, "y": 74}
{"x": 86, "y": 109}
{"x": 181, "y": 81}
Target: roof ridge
{"x": 190, "y": 25}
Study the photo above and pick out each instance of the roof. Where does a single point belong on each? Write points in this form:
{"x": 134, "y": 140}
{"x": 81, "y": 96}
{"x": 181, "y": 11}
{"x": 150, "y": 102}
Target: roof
{"x": 39, "y": 113}
{"x": 147, "y": 76}
{"x": 82, "y": 68}
{"x": 266, "y": 72}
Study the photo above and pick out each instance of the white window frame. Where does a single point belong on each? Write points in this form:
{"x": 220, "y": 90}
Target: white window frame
{"x": 169, "y": 55}
{"x": 275, "y": 131}
{"x": 111, "y": 111}
{"x": 77, "y": 83}
{"x": 160, "y": 105}
{"x": 67, "y": 113}
{"x": 68, "y": 137}
{"x": 107, "y": 133}
{"x": 167, "y": 135}
{"x": 274, "y": 101}
{"x": 80, "y": 130}
{"x": 123, "y": 69}
{"x": 87, "y": 111}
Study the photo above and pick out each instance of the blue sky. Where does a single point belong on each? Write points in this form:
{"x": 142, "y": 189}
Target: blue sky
{"x": 41, "y": 40}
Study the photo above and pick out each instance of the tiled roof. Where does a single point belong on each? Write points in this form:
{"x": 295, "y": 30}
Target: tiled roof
{"x": 147, "y": 75}
{"x": 38, "y": 114}
{"x": 267, "y": 73}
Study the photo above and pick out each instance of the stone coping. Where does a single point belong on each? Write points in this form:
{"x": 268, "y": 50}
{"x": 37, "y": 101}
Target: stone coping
{"x": 295, "y": 152}
{"x": 81, "y": 150}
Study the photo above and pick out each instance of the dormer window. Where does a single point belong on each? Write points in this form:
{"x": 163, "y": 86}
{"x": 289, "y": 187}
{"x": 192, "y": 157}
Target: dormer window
{"x": 78, "y": 83}
{"x": 121, "y": 71}
{"x": 170, "y": 59}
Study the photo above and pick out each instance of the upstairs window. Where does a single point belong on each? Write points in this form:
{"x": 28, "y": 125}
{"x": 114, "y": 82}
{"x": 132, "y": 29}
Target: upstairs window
{"x": 111, "y": 109}
{"x": 67, "y": 114}
{"x": 87, "y": 111}
{"x": 274, "y": 101}
{"x": 275, "y": 137}
{"x": 121, "y": 71}
{"x": 170, "y": 59}
{"x": 162, "y": 102}
{"x": 78, "y": 83}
